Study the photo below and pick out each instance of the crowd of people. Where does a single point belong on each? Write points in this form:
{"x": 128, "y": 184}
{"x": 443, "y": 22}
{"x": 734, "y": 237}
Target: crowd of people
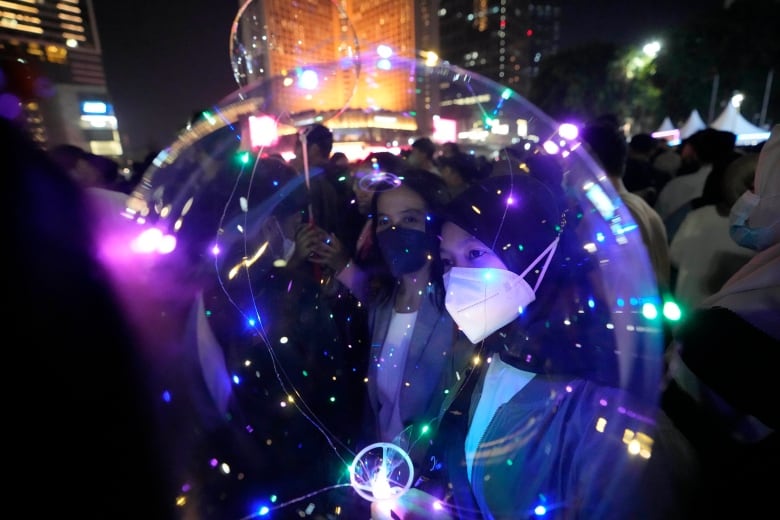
{"x": 446, "y": 326}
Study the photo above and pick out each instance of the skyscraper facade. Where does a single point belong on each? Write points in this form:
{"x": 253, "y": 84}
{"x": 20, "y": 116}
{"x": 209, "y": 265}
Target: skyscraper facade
{"x": 53, "y": 75}
{"x": 277, "y": 40}
{"x": 504, "y": 40}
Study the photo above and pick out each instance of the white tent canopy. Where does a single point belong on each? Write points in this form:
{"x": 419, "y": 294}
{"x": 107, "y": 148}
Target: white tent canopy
{"x": 693, "y": 124}
{"x": 729, "y": 120}
{"x": 732, "y": 121}
{"x": 666, "y": 125}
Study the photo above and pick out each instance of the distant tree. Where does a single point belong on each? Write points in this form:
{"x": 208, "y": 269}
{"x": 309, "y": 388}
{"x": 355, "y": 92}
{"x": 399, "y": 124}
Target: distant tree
{"x": 739, "y": 44}
{"x": 576, "y": 83}
{"x": 598, "y": 78}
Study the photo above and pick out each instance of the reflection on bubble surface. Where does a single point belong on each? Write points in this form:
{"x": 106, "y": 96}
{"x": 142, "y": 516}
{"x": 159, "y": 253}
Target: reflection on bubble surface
{"x": 263, "y": 362}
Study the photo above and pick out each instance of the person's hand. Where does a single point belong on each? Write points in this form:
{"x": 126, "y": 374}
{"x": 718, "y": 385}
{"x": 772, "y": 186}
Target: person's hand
{"x": 308, "y": 238}
{"x": 318, "y": 246}
{"x": 412, "y": 505}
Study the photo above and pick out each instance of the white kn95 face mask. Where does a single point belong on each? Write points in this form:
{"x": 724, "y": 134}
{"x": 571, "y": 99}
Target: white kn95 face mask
{"x": 482, "y": 300}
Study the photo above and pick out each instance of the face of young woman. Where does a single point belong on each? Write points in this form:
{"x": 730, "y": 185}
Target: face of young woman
{"x": 400, "y": 207}
{"x": 460, "y": 249}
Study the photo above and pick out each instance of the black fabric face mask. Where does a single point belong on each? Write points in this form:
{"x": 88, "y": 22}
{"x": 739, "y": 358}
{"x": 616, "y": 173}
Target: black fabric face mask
{"x": 405, "y": 250}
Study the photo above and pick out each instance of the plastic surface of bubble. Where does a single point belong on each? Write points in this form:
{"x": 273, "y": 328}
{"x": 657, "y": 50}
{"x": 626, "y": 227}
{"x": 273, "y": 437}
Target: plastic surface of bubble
{"x": 261, "y": 365}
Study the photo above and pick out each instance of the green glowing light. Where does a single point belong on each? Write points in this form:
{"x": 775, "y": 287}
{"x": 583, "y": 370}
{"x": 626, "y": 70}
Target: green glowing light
{"x": 649, "y": 311}
{"x": 672, "y": 311}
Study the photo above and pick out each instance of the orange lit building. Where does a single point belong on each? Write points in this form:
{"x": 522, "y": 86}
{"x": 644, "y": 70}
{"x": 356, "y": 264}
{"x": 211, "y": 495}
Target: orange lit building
{"x": 343, "y": 41}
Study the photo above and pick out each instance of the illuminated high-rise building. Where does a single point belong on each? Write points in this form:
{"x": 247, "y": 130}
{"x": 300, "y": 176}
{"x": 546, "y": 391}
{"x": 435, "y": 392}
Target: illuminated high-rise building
{"x": 504, "y": 40}
{"x": 52, "y": 64}
{"x": 278, "y": 38}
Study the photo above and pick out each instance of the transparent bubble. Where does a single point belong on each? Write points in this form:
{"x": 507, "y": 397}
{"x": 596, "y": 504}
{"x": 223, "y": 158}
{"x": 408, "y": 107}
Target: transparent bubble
{"x": 317, "y": 68}
{"x": 262, "y": 359}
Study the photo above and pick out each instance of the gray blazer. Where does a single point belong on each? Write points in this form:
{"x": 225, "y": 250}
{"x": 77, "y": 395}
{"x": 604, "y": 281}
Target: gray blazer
{"x": 435, "y": 356}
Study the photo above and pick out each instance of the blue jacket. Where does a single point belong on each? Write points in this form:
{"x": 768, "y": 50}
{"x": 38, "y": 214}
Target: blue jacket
{"x": 559, "y": 448}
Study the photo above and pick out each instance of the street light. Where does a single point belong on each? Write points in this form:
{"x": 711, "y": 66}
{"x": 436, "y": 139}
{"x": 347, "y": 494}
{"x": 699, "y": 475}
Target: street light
{"x": 651, "y": 49}
{"x": 642, "y": 61}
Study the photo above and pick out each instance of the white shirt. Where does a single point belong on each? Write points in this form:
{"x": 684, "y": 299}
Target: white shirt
{"x": 390, "y": 372}
{"x": 705, "y": 255}
{"x": 681, "y": 190}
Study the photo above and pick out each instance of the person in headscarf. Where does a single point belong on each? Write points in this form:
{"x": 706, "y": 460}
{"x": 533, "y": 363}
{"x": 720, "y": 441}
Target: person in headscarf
{"x": 539, "y": 427}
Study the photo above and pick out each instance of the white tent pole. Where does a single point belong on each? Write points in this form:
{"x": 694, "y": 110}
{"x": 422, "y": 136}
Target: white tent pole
{"x": 767, "y": 89}
{"x": 713, "y": 95}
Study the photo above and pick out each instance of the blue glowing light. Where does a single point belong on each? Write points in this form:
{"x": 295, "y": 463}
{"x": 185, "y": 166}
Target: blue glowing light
{"x": 308, "y": 79}
{"x": 540, "y": 510}
{"x": 166, "y": 396}
{"x": 600, "y": 200}
{"x": 95, "y": 107}
{"x": 591, "y": 303}
{"x": 600, "y": 236}
{"x": 384, "y": 51}
{"x": 649, "y": 311}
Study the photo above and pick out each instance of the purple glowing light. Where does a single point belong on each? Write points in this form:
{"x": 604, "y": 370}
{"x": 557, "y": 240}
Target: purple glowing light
{"x": 551, "y": 148}
{"x": 568, "y": 131}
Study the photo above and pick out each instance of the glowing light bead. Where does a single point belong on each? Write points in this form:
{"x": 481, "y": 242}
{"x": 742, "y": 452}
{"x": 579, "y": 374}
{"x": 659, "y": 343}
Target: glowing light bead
{"x": 649, "y": 311}
{"x": 540, "y": 510}
{"x": 672, "y": 311}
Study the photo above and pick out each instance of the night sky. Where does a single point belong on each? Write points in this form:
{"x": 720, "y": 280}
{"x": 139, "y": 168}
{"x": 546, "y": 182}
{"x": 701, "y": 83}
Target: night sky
{"x": 166, "y": 60}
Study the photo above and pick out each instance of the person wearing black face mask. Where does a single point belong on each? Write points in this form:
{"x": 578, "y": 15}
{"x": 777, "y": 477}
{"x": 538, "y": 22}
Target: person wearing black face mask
{"x": 414, "y": 354}
{"x": 542, "y": 426}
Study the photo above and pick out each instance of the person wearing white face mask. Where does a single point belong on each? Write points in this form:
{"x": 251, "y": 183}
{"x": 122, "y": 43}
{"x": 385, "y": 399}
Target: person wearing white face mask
{"x": 721, "y": 390}
{"x": 755, "y": 217}
{"x": 523, "y": 435}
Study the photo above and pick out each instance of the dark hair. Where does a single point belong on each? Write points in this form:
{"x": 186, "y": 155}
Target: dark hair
{"x": 68, "y": 155}
{"x": 609, "y": 146}
{"x": 465, "y": 165}
{"x": 321, "y": 136}
{"x": 337, "y": 156}
{"x": 714, "y": 192}
{"x": 643, "y": 143}
{"x": 386, "y": 161}
{"x": 426, "y": 146}
{"x": 712, "y": 145}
